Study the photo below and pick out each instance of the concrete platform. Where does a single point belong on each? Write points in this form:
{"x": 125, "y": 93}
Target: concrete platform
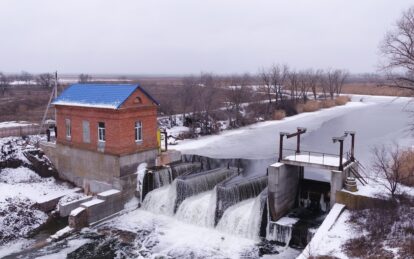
{"x": 320, "y": 161}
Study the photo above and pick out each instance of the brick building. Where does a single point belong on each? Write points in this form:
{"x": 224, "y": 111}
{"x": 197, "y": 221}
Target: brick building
{"x": 104, "y": 131}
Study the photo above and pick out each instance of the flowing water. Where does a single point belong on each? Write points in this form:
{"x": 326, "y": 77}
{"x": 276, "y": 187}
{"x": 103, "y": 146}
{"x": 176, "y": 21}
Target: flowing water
{"x": 161, "y": 200}
{"x": 199, "y": 209}
{"x": 243, "y": 219}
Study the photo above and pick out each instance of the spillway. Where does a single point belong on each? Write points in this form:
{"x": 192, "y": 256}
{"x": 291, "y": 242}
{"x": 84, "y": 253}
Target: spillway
{"x": 194, "y": 198}
{"x": 193, "y": 184}
{"x": 199, "y": 209}
{"x": 244, "y": 218}
{"x": 161, "y": 200}
{"x": 160, "y": 176}
{"x": 235, "y": 190}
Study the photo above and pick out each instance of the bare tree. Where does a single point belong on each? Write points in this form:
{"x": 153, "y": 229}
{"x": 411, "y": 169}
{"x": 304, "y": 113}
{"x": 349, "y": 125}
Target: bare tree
{"x": 266, "y": 87}
{"x": 4, "y": 83}
{"x": 237, "y": 94}
{"x": 389, "y": 166}
{"x": 398, "y": 49}
{"x": 340, "y": 77}
{"x": 26, "y": 77}
{"x": 84, "y": 78}
{"x": 45, "y": 80}
{"x": 206, "y": 102}
{"x": 313, "y": 79}
{"x": 279, "y": 76}
{"x": 332, "y": 81}
{"x": 187, "y": 93}
{"x": 293, "y": 84}
{"x": 273, "y": 81}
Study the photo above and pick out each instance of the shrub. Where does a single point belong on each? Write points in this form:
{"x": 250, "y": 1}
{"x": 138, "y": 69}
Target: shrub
{"x": 342, "y": 100}
{"x": 279, "y": 115}
{"x": 407, "y": 167}
{"x": 327, "y": 103}
{"x": 311, "y": 106}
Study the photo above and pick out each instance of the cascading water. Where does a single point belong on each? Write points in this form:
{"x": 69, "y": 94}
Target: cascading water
{"x": 185, "y": 169}
{"x": 281, "y": 230}
{"x": 191, "y": 199}
{"x": 162, "y": 177}
{"x": 243, "y": 218}
{"x": 231, "y": 192}
{"x": 161, "y": 200}
{"x": 196, "y": 183}
{"x": 199, "y": 209}
{"x": 323, "y": 204}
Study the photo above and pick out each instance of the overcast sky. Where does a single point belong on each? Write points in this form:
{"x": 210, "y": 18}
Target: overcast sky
{"x": 182, "y": 37}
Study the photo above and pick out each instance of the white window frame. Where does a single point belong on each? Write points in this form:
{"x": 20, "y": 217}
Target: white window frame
{"x": 68, "y": 129}
{"x": 138, "y": 131}
{"x": 101, "y": 132}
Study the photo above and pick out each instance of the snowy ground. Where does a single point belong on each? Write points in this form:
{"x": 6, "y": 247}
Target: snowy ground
{"x": 331, "y": 243}
{"x": 11, "y": 124}
{"x": 20, "y": 189}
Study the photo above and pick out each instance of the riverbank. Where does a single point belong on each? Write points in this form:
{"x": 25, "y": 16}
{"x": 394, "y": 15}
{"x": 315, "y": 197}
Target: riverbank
{"x": 24, "y": 186}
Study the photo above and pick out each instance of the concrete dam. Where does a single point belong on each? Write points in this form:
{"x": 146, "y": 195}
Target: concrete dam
{"x": 243, "y": 197}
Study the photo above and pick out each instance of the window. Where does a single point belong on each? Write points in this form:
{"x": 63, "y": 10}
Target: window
{"x": 101, "y": 131}
{"x": 86, "y": 132}
{"x": 138, "y": 131}
{"x": 138, "y": 100}
{"x": 68, "y": 129}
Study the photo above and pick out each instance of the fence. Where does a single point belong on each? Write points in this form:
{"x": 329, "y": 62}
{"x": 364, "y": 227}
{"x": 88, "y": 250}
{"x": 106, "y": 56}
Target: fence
{"x": 20, "y": 131}
{"x": 311, "y": 157}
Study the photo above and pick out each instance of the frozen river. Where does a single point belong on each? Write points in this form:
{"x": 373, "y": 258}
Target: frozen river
{"x": 376, "y": 120}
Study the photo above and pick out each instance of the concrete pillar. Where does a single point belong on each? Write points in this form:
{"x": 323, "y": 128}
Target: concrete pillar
{"x": 337, "y": 183}
{"x": 283, "y": 183}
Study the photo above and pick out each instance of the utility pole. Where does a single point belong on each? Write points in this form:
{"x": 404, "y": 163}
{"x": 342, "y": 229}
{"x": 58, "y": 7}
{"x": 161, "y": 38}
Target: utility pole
{"x": 52, "y": 94}
{"x": 56, "y": 94}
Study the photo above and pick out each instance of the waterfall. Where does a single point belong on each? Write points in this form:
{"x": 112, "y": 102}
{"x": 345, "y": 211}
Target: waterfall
{"x": 231, "y": 191}
{"x": 281, "y": 230}
{"x": 243, "y": 218}
{"x": 162, "y": 177}
{"x": 305, "y": 203}
{"x": 323, "y": 203}
{"x": 196, "y": 183}
{"x": 199, "y": 209}
{"x": 161, "y": 200}
{"x": 185, "y": 169}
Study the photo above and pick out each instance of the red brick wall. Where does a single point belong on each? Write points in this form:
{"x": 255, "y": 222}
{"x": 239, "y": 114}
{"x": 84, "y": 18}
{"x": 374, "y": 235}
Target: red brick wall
{"x": 119, "y": 126}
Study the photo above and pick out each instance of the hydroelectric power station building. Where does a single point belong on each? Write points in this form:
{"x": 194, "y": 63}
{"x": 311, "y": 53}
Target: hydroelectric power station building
{"x": 104, "y": 131}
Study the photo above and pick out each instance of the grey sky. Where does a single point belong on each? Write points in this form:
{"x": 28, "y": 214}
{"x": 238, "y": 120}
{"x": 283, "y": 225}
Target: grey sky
{"x": 181, "y": 37}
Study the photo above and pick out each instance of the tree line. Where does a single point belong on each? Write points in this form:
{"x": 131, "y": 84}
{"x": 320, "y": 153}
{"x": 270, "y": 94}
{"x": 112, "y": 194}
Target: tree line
{"x": 244, "y": 99}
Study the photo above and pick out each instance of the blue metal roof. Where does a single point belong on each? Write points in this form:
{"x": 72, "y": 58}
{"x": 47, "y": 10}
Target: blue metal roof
{"x": 98, "y": 95}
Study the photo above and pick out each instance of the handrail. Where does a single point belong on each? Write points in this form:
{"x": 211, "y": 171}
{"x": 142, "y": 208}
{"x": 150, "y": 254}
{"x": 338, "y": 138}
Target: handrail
{"x": 311, "y": 152}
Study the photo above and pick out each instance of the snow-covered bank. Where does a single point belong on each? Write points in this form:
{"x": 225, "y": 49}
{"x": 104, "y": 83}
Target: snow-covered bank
{"x": 256, "y": 137}
{"x": 20, "y": 189}
{"x": 12, "y": 124}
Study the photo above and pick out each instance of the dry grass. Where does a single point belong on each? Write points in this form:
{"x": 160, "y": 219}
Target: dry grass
{"x": 374, "y": 89}
{"x": 407, "y": 160}
{"x": 388, "y": 226}
{"x": 327, "y": 104}
{"x": 342, "y": 100}
{"x": 279, "y": 115}
{"x": 309, "y": 106}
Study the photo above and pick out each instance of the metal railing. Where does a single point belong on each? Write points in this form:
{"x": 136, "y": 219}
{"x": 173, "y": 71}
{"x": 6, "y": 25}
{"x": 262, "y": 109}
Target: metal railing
{"x": 309, "y": 157}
